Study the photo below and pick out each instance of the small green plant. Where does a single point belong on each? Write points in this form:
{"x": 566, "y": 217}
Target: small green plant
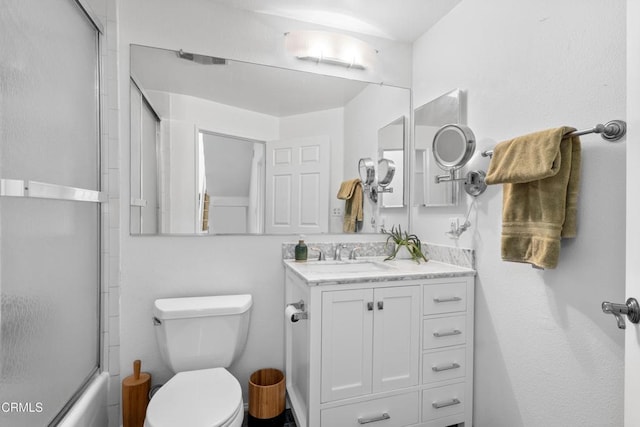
{"x": 410, "y": 241}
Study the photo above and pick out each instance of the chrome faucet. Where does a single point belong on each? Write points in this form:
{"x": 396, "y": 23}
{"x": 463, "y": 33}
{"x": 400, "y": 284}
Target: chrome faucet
{"x": 352, "y": 254}
{"x": 338, "y": 256}
{"x": 321, "y": 256}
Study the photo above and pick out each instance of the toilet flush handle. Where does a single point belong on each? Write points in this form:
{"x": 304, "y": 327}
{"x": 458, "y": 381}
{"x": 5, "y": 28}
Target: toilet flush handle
{"x": 631, "y": 309}
{"x": 156, "y": 321}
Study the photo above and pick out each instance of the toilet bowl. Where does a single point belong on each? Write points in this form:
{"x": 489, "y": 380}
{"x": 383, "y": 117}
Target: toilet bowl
{"x": 202, "y": 398}
{"x": 199, "y": 337}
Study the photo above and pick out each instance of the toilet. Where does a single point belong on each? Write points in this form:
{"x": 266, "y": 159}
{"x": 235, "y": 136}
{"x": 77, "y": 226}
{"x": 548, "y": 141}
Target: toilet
{"x": 198, "y": 338}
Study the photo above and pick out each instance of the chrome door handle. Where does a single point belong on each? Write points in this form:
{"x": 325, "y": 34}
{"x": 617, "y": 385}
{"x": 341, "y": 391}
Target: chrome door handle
{"x": 449, "y": 299}
{"x": 451, "y": 402}
{"x": 447, "y": 334}
{"x": 384, "y": 416}
{"x": 631, "y": 309}
{"x": 446, "y": 367}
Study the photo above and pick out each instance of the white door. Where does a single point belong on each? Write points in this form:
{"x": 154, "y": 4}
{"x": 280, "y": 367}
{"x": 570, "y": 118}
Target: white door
{"x": 298, "y": 185}
{"x": 347, "y": 336}
{"x": 632, "y": 334}
{"x": 396, "y": 346}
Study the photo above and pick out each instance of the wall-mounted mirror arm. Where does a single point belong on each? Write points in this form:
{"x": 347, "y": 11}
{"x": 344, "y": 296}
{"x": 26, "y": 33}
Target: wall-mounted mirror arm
{"x": 474, "y": 183}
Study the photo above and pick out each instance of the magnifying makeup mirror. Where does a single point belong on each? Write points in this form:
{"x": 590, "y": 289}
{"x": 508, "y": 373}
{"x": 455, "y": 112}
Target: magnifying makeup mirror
{"x": 367, "y": 171}
{"x": 386, "y": 171}
{"x": 453, "y": 147}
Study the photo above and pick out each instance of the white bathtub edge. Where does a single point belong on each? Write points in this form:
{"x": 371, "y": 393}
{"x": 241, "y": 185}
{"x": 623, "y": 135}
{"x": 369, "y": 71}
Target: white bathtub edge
{"x": 91, "y": 408}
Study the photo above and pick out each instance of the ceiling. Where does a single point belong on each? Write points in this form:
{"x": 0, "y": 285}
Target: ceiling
{"x": 268, "y": 90}
{"x": 399, "y": 20}
{"x": 278, "y": 92}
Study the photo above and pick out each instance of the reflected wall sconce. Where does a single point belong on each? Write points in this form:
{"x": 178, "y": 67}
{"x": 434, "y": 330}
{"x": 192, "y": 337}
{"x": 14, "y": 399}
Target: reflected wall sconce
{"x": 330, "y": 48}
{"x": 367, "y": 171}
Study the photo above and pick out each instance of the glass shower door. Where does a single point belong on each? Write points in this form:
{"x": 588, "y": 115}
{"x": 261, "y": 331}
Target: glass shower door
{"x": 49, "y": 208}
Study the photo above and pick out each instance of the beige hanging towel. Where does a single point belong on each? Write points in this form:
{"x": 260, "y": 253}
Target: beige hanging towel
{"x": 540, "y": 173}
{"x": 351, "y": 192}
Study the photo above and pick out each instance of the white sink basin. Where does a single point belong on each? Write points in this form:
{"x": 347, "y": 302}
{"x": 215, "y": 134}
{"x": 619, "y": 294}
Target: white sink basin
{"x": 341, "y": 267}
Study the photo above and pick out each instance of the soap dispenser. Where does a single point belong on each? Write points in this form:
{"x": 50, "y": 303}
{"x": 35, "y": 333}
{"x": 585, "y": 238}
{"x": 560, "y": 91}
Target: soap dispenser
{"x": 301, "y": 250}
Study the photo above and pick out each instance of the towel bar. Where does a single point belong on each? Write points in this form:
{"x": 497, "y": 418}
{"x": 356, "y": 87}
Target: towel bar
{"x": 611, "y": 131}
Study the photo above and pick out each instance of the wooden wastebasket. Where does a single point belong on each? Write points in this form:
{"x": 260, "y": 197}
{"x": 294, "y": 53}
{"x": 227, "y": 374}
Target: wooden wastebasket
{"x": 266, "y": 393}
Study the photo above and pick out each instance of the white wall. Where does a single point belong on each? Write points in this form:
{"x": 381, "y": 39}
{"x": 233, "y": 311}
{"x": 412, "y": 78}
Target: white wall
{"x": 183, "y": 116}
{"x": 154, "y": 267}
{"x": 546, "y": 355}
{"x": 374, "y": 108}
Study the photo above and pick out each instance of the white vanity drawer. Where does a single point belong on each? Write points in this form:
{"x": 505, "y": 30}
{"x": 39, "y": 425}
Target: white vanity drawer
{"x": 445, "y": 298}
{"x": 444, "y": 365}
{"x": 444, "y": 331}
{"x": 443, "y": 401}
{"x": 393, "y": 411}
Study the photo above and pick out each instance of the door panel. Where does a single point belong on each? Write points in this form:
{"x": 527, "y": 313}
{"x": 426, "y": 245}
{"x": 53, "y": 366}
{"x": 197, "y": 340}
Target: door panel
{"x": 50, "y": 248}
{"x": 396, "y": 337}
{"x": 297, "y": 185}
{"x": 632, "y": 334}
{"x": 347, "y": 328}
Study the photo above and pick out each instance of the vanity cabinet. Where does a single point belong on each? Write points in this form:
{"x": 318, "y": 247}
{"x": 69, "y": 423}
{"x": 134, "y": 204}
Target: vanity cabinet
{"x": 370, "y": 341}
{"x": 390, "y": 353}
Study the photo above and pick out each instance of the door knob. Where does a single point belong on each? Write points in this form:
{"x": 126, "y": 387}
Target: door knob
{"x": 631, "y": 309}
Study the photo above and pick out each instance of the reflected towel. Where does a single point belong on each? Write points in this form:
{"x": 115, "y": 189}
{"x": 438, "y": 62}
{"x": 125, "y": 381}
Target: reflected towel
{"x": 351, "y": 192}
{"x": 540, "y": 173}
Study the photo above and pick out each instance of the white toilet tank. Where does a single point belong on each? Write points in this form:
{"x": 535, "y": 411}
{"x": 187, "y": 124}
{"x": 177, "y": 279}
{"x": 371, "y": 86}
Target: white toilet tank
{"x": 202, "y": 332}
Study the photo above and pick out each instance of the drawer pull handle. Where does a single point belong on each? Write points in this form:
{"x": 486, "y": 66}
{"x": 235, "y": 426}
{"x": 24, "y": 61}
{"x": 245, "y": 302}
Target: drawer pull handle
{"x": 370, "y": 306}
{"x": 447, "y": 299}
{"x": 382, "y": 417}
{"x": 445, "y": 367}
{"x": 446, "y": 334}
{"x": 451, "y": 402}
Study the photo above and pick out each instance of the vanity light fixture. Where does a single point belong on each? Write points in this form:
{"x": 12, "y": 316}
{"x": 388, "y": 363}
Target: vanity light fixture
{"x": 201, "y": 59}
{"x": 330, "y": 48}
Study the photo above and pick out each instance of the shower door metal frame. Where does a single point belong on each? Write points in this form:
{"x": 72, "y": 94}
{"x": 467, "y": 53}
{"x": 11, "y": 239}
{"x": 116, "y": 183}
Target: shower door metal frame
{"x": 44, "y": 190}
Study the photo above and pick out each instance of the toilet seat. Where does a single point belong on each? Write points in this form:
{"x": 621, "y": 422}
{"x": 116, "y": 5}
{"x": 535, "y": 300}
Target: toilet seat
{"x": 201, "y": 398}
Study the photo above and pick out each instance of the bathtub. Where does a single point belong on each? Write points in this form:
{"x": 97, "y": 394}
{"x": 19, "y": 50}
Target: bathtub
{"x": 91, "y": 408}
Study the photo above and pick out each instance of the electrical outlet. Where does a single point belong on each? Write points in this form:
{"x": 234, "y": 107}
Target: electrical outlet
{"x": 336, "y": 212}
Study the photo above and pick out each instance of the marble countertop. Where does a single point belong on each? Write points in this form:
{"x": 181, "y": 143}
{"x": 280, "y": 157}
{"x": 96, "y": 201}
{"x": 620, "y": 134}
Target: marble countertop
{"x": 372, "y": 269}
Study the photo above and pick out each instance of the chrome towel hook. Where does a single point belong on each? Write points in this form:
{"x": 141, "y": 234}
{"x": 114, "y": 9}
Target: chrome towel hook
{"x": 631, "y": 309}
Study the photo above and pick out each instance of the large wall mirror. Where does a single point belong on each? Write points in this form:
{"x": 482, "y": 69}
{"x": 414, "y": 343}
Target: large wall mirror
{"x": 429, "y": 118}
{"x": 220, "y": 146}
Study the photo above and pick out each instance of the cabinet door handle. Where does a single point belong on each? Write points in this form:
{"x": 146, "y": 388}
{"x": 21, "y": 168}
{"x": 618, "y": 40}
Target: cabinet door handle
{"x": 451, "y": 402}
{"x": 445, "y": 367}
{"x": 446, "y": 299}
{"x": 380, "y": 305}
{"x": 370, "y": 306}
{"x": 446, "y": 334}
{"x": 384, "y": 416}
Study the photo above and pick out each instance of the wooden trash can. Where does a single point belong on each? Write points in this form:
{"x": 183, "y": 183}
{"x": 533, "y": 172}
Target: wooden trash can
{"x": 266, "y": 393}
